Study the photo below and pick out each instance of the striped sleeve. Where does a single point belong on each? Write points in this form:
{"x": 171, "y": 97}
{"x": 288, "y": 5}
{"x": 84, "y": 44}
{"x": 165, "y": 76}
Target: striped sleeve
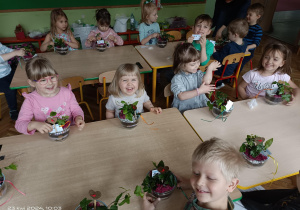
{"x": 254, "y": 35}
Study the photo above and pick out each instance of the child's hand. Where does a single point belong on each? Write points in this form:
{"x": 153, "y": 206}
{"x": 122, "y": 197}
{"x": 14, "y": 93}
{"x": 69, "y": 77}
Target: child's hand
{"x": 155, "y": 35}
{"x": 190, "y": 39}
{"x": 202, "y": 41}
{"x": 149, "y": 203}
{"x": 183, "y": 183}
{"x": 79, "y": 122}
{"x": 112, "y": 38}
{"x": 214, "y": 66}
{"x": 20, "y": 52}
{"x": 291, "y": 101}
{"x": 206, "y": 88}
{"x": 42, "y": 127}
{"x": 92, "y": 39}
{"x": 156, "y": 110}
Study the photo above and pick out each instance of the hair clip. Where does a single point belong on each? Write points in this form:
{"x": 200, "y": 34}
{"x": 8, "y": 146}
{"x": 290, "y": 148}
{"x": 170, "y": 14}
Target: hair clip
{"x": 147, "y": 1}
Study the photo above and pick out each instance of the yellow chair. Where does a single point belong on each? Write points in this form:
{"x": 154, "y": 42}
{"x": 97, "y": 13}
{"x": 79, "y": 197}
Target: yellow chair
{"x": 167, "y": 94}
{"x": 0, "y": 105}
{"x": 188, "y": 34}
{"x": 203, "y": 68}
{"x": 176, "y": 34}
{"x": 104, "y": 78}
{"x": 76, "y": 82}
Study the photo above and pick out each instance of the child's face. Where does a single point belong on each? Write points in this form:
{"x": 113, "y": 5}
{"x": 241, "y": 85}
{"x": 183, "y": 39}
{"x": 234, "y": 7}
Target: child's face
{"x": 61, "y": 24}
{"x": 103, "y": 28}
{"x": 152, "y": 18}
{"x": 210, "y": 185}
{"x": 272, "y": 61}
{"x": 191, "y": 67}
{"x": 252, "y": 17}
{"x": 128, "y": 85}
{"x": 202, "y": 27}
{"x": 46, "y": 86}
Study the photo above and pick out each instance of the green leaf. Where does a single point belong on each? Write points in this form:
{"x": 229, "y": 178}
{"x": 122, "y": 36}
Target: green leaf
{"x": 138, "y": 191}
{"x": 243, "y": 148}
{"x": 161, "y": 164}
{"x": 135, "y": 103}
{"x": 268, "y": 143}
{"x": 12, "y": 166}
{"x": 118, "y": 198}
{"x": 84, "y": 203}
{"x": 113, "y": 207}
{"x": 52, "y": 114}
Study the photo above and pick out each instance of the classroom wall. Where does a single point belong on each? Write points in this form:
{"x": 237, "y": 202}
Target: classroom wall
{"x": 38, "y": 20}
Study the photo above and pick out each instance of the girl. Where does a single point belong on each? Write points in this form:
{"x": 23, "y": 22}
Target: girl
{"x": 59, "y": 29}
{"x": 47, "y": 97}
{"x": 149, "y": 29}
{"x": 127, "y": 86}
{"x": 188, "y": 84}
{"x": 274, "y": 66}
{"x": 103, "y": 31}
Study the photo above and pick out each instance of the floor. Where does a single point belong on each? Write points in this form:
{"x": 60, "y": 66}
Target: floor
{"x": 7, "y": 125}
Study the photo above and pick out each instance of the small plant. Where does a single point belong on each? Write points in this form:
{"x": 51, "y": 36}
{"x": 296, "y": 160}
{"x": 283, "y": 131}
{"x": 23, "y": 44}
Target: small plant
{"x": 11, "y": 166}
{"x": 220, "y": 101}
{"x": 29, "y": 51}
{"x": 284, "y": 90}
{"x": 159, "y": 180}
{"x": 254, "y": 145}
{"x": 60, "y": 122}
{"x": 121, "y": 199}
{"x": 59, "y": 43}
{"x": 165, "y": 36}
{"x": 128, "y": 111}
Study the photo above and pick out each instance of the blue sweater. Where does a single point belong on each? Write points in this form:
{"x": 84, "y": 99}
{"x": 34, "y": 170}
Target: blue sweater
{"x": 228, "y": 49}
{"x": 254, "y": 35}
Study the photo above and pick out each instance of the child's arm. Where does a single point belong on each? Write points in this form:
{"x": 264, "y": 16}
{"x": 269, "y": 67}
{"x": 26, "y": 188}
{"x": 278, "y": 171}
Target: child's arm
{"x": 144, "y": 40}
{"x": 190, "y": 39}
{"x": 76, "y": 111}
{"x": 219, "y": 32}
{"x": 212, "y": 67}
{"x": 204, "y": 88}
{"x": 148, "y": 105}
{"x": 110, "y": 114}
{"x": 296, "y": 92}
{"x": 116, "y": 38}
{"x": 79, "y": 122}
{"x": 73, "y": 43}
{"x": 203, "y": 54}
{"x": 91, "y": 38}
{"x": 7, "y": 56}
{"x": 209, "y": 50}
{"x": 149, "y": 203}
{"x": 220, "y": 55}
{"x": 250, "y": 47}
{"x": 42, "y": 127}
{"x": 242, "y": 89}
{"x": 48, "y": 41}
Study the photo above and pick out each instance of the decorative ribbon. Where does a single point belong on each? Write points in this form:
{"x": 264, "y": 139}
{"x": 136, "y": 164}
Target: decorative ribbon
{"x": 183, "y": 193}
{"x": 222, "y": 117}
{"x": 145, "y": 120}
{"x": 260, "y": 92}
{"x": 20, "y": 64}
{"x": 274, "y": 173}
{"x": 13, "y": 193}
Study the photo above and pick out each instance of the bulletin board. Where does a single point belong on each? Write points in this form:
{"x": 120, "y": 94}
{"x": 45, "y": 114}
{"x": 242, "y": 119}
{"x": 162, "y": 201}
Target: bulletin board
{"x": 41, "y": 5}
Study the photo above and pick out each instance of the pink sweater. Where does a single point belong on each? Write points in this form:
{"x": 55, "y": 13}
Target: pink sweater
{"x": 39, "y": 107}
{"x": 104, "y": 36}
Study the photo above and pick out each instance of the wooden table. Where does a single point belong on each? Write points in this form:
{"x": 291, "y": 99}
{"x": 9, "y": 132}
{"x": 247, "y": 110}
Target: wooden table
{"x": 280, "y": 122}
{"x": 86, "y": 63}
{"x": 157, "y": 58}
{"x": 104, "y": 156}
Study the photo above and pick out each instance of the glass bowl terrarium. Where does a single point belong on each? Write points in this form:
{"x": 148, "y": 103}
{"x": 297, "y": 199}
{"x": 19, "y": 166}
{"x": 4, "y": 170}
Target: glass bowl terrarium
{"x": 60, "y": 46}
{"x": 276, "y": 95}
{"x": 128, "y": 115}
{"x": 60, "y": 125}
{"x": 220, "y": 106}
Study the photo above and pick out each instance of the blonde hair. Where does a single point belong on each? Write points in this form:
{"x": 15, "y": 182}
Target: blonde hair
{"x": 39, "y": 67}
{"x": 126, "y": 69}
{"x": 184, "y": 53}
{"x": 147, "y": 9}
{"x": 286, "y": 55}
{"x": 239, "y": 26}
{"x": 55, "y": 15}
{"x": 223, "y": 153}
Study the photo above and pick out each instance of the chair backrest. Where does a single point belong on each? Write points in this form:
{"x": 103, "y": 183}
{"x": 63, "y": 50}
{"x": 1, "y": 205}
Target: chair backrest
{"x": 104, "y": 78}
{"x": 176, "y": 34}
{"x": 75, "y": 82}
{"x": 233, "y": 58}
{"x": 203, "y": 68}
{"x": 167, "y": 91}
{"x": 188, "y": 34}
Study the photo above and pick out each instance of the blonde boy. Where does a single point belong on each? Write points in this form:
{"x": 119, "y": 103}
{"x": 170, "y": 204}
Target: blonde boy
{"x": 202, "y": 26}
{"x": 215, "y": 169}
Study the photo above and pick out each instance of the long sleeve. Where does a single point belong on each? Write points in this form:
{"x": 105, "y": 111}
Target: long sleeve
{"x": 220, "y": 55}
{"x": 119, "y": 39}
{"x": 4, "y": 50}
{"x": 91, "y": 34}
{"x": 74, "y": 106}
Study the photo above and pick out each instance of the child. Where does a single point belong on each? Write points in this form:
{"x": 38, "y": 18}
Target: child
{"x": 59, "y": 29}
{"x": 215, "y": 169}
{"x": 237, "y": 30}
{"x": 103, "y": 31}
{"x": 190, "y": 85}
{"x": 274, "y": 65}
{"x": 202, "y": 26}
{"x": 6, "y": 75}
{"x": 254, "y": 14}
{"x": 127, "y": 86}
{"x": 47, "y": 97}
{"x": 149, "y": 28}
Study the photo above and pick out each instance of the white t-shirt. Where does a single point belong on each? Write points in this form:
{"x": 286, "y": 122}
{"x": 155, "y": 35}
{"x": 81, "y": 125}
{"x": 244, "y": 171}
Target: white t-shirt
{"x": 256, "y": 82}
{"x": 114, "y": 103}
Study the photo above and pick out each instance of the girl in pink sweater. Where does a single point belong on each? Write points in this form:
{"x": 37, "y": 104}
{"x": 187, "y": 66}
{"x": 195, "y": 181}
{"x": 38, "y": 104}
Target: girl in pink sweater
{"x": 47, "y": 97}
{"x": 103, "y": 31}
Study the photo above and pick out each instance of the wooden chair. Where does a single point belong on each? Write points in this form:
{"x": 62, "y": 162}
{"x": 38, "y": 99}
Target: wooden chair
{"x": 203, "y": 68}
{"x": 76, "y": 82}
{"x": 104, "y": 78}
{"x": 231, "y": 59}
{"x": 188, "y": 34}
{"x": 0, "y": 105}
{"x": 167, "y": 94}
{"x": 176, "y": 34}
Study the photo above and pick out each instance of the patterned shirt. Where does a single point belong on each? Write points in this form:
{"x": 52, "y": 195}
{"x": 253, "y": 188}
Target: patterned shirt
{"x": 146, "y": 30}
{"x": 4, "y": 66}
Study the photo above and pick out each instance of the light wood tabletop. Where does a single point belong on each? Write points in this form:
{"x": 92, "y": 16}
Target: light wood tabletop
{"x": 157, "y": 58}
{"x": 87, "y": 63}
{"x": 104, "y": 156}
{"x": 280, "y": 122}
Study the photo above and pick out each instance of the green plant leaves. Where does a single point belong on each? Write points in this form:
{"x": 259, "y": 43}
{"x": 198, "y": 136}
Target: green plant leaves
{"x": 129, "y": 110}
{"x": 12, "y": 166}
{"x": 84, "y": 203}
{"x": 268, "y": 143}
{"x": 255, "y": 148}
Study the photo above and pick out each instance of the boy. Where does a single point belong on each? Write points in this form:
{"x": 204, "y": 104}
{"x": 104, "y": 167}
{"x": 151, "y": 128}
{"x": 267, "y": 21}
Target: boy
{"x": 254, "y": 14}
{"x": 215, "y": 168}
{"x": 237, "y": 30}
{"x": 202, "y": 26}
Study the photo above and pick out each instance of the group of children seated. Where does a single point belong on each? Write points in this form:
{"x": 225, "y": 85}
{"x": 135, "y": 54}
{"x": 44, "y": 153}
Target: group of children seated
{"x": 211, "y": 182}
